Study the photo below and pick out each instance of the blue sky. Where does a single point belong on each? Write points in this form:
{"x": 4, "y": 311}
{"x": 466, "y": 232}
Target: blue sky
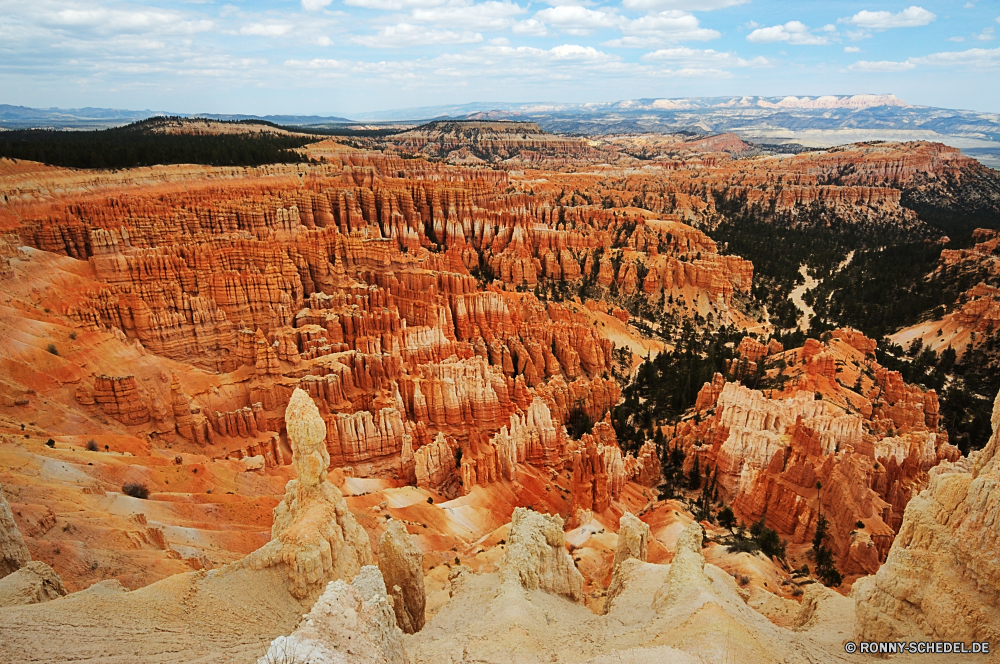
{"x": 349, "y": 56}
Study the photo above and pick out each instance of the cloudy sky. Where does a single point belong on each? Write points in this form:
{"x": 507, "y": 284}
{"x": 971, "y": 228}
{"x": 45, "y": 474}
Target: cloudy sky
{"x": 351, "y": 56}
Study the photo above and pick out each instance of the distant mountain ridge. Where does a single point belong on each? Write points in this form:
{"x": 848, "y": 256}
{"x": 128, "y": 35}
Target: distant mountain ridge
{"x": 23, "y": 117}
{"x": 818, "y": 121}
{"x": 809, "y": 120}
{"x": 644, "y": 104}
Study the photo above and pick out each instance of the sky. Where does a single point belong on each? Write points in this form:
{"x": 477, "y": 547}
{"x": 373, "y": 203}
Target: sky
{"x": 337, "y": 57}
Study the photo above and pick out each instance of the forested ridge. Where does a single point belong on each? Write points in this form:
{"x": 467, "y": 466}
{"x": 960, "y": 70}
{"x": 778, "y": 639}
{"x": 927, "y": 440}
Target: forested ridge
{"x": 138, "y": 145}
{"x": 891, "y": 281}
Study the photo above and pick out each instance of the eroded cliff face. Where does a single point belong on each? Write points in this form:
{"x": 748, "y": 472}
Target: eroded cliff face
{"x": 841, "y": 421}
{"x": 408, "y": 339}
{"x": 14, "y": 553}
{"x": 941, "y": 579}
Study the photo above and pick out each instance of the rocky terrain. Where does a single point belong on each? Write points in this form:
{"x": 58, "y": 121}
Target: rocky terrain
{"x": 380, "y": 407}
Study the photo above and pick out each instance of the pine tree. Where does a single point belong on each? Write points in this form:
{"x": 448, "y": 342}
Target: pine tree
{"x": 694, "y": 477}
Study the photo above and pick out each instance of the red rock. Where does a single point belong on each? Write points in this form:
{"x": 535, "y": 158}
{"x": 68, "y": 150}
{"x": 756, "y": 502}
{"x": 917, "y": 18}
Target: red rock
{"x": 118, "y": 397}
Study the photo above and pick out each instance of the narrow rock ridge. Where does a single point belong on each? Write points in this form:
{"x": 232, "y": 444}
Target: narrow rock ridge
{"x": 536, "y": 557}
{"x": 401, "y": 564}
{"x": 314, "y": 535}
{"x": 687, "y": 571}
{"x": 633, "y": 544}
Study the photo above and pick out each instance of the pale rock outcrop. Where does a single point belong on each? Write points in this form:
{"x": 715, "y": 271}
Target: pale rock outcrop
{"x": 633, "y": 543}
{"x": 941, "y": 579}
{"x": 533, "y": 438}
{"x": 349, "y": 624}
{"x": 687, "y": 571}
{"x": 401, "y": 564}
{"x": 13, "y": 551}
{"x": 435, "y": 466}
{"x": 314, "y": 535}
{"x": 536, "y": 557}
{"x": 35, "y": 582}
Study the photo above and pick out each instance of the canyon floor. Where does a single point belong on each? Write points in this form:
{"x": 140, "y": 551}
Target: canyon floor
{"x": 475, "y": 392}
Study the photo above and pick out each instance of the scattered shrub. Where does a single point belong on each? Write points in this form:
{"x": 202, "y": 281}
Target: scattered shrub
{"x": 92, "y": 445}
{"x": 726, "y": 517}
{"x": 50, "y": 443}
{"x": 72, "y": 335}
{"x": 52, "y": 349}
{"x": 860, "y": 524}
{"x": 430, "y": 500}
{"x": 797, "y": 592}
{"x": 744, "y": 579}
{"x": 136, "y": 490}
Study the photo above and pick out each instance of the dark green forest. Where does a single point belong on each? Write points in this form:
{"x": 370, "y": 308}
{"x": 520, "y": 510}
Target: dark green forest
{"x": 138, "y": 145}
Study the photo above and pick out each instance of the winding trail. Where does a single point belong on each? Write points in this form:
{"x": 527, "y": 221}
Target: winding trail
{"x": 796, "y": 295}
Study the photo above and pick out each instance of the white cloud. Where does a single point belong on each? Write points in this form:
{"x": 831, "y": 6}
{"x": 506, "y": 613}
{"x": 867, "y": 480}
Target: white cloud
{"x": 563, "y": 52}
{"x": 793, "y": 32}
{"x": 490, "y": 15}
{"x": 634, "y": 42}
{"x": 669, "y": 26}
{"x": 394, "y": 5}
{"x": 911, "y": 17}
{"x": 695, "y": 73}
{"x": 881, "y": 66}
{"x": 578, "y": 20}
{"x": 975, "y": 57}
{"x": 569, "y": 3}
{"x": 575, "y": 52}
{"x": 324, "y": 41}
{"x": 404, "y": 35}
{"x": 81, "y": 17}
{"x": 851, "y": 49}
{"x": 318, "y": 63}
{"x": 530, "y": 27}
{"x": 266, "y": 29}
{"x": 314, "y": 5}
{"x": 985, "y": 35}
{"x": 688, "y": 5}
{"x": 651, "y": 30}
{"x": 704, "y": 58}
{"x": 956, "y": 39}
